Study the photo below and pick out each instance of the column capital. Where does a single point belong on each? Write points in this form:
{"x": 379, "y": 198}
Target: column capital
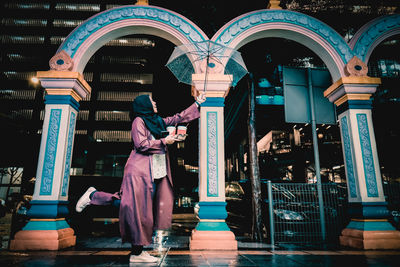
{"x": 64, "y": 83}
{"x": 217, "y": 85}
{"x": 352, "y": 88}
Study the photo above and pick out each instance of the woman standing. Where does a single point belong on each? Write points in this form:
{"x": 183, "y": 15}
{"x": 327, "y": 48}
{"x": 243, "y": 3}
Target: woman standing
{"x": 146, "y": 195}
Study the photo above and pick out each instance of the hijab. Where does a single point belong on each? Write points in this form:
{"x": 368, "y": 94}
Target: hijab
{"x": 143, "y": 108}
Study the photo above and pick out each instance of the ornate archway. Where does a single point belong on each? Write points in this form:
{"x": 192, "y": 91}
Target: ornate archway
{"x": 306, "y": 30}
{"x": 368, "y": 37}
{"x": 65, "y": 86}
{"x": 95, "y": 32}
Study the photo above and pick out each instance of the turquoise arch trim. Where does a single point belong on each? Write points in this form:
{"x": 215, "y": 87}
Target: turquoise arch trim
{"x": 376, "y": 29}
{"x": 77, "y": 37}
{"x": 367, "y": 156}
{"x": 256, "y": 18}
{"x": 50, "y": 152}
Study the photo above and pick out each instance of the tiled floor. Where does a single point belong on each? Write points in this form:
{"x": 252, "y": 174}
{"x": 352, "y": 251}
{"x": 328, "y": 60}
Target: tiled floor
{"x": 273, "y": 258}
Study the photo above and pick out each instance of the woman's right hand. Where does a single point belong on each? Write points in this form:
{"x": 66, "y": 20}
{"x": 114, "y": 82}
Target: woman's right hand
{"x": 170, "y": 139}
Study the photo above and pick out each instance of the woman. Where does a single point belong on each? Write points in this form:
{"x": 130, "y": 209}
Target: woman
{"x": 146, "y": 195}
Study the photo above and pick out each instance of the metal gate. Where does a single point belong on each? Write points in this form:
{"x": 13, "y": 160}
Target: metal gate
{"x": 295, "y": 212}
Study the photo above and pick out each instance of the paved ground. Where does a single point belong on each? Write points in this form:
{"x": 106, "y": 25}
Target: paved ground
{"x": 173, "y": 250}
{"x": 273, "y": 258}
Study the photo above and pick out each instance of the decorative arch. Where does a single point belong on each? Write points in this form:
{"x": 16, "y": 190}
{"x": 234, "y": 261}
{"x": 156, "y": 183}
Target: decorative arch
{"x": 96, "y": 31}
{"x": 372, "y": 34}
{"x": 306, "y": 30}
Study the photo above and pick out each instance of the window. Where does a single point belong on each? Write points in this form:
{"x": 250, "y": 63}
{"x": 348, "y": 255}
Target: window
{"x": 112, "y": 136}
{"x": 112, "y": 115}
{"x": 25, "y": 114}
{"x": 67, "y": 23}
{"x": 57, "y": 40}
{"x": 27, "y": 6}
{"x": 8, "y": 39}
{"x": 142, "y": 78}
{"x": 133, "y": 60}
{"x": 88, "y": 76}
{"x": 119, "y": 96}
{"x": 78, "y": 7}
{"x": 10, "y": 181}
{"x": 16, "y": 75}
{"x": 83, "y": 115}
{"x": 24, "y": 22}
{"x": 17, "y": 94}
{"x": 22, "y": 58}
{"x": 81, "y": 132}
{"x": 136, "y": 42}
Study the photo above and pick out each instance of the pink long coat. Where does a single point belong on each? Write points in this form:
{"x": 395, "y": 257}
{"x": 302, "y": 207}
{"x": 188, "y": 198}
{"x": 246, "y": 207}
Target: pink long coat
{"x": 138, "y": 214}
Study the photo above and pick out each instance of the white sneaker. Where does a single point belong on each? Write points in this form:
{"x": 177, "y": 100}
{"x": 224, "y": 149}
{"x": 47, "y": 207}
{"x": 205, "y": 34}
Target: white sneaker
{"x": 84, "y": 201}
{"x": 143, "y": 257}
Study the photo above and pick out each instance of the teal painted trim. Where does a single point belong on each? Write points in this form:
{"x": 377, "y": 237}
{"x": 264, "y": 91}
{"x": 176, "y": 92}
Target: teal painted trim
{"x": 354, "y": 104}
{"x": 371, "y": 226}
{"x": 46, "y": 225}
{"x": 50, "y": 154}
{"x": 212, "y": 154}
{"x": 67, "y": 166}
{"x": 76, "y": 38}
{"x": 50, "y": 209}
{"x": 61, "y": 100}
{"x": 367, "y": 156}
{"x": 212, "y": 226}
{"x": 351, "y": 180}
{"x": 256, "y": 18}
{"x": 214, "y": 102}
{"x": 368, "y": 210}
{"x": 213, "y": 210}
{"x": 376, "y": 29}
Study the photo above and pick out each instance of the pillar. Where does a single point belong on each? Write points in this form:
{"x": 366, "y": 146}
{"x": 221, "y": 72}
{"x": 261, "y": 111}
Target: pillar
{"x": 47, "y": 228}
{"x": 369, "y": 227}
{"x": 212, "y": 232}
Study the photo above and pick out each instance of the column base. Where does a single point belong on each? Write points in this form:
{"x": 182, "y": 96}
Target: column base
{"x": 378, "y": 234}
{"x": 213, "y": 240}
{"x": 43, "y": 239}
{"x": 44, "y": 234}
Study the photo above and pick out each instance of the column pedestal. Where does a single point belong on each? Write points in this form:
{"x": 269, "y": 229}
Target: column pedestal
{"x": 47, "y": 228}
{"x": 369, "y": 227}
{"x": 212, "y": 232}
{"x": 59, "y": 235}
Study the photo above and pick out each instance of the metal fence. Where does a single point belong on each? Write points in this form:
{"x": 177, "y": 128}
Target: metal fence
{"x": 296, "y": 217}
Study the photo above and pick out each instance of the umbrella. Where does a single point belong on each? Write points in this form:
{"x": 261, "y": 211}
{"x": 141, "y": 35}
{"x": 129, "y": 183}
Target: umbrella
{"x": 207, "y": 56}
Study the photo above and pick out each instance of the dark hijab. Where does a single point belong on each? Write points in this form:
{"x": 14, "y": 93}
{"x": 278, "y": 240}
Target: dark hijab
{"x": 143, "y": 108}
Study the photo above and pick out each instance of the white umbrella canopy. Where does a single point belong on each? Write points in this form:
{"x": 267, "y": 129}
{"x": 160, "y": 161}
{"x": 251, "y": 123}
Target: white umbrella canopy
{"x": 207, "y": 56}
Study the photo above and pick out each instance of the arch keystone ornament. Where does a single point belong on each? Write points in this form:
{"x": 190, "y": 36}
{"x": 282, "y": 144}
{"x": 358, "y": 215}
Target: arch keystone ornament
{"x": 369, "y": 227}
{"x": 47, "y": 228}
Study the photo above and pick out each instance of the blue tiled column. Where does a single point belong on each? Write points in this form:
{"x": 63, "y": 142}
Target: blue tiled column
{"x": 47, "y": 228}
{"x": 212, "y": 232}
{"x": 369, "y": 227}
